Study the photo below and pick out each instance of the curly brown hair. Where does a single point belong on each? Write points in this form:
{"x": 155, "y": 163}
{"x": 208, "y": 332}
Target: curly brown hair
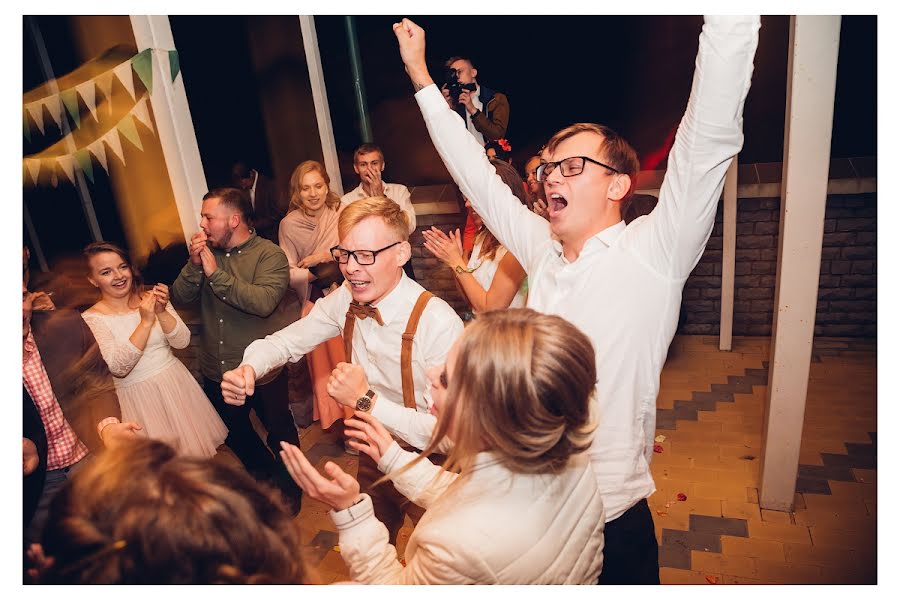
{"x": 142, "y": 514}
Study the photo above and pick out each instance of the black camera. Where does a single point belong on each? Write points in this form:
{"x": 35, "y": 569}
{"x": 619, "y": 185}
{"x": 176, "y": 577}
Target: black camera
{"x": 455, "y": 87}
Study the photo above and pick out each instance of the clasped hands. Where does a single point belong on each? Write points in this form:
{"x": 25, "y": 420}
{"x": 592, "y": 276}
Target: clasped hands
{"x": 336, "y": 488}
{"x": 201, "y": 255}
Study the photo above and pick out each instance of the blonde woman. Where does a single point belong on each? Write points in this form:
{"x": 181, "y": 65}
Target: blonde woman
{"x": 310, "y": 227}
{"x": 306, "y": 235}
{"x": 516, "y": 502}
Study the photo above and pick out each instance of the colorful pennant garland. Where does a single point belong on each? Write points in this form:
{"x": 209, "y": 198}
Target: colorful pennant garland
{"x": 66, "y": 101}
{"x": 81, "y": 158}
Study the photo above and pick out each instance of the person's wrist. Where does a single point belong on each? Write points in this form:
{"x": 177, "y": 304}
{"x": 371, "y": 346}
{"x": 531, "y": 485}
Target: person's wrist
{"x": 350, "y": 502}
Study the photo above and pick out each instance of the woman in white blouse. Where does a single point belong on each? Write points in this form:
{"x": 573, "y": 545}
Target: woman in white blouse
{"x": 516, "y": 501}
{"x": 491, "y": 278}
{"x": 136, "y": 331}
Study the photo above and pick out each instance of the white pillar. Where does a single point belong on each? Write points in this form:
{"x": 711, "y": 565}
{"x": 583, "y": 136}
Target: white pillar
{"x": 729, "y": 241}
{"x": 320, "y": 100}
{"x": 812, "y": 70}
{"x": 173, "y": 121}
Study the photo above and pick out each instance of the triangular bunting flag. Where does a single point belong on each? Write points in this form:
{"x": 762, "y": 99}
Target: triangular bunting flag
{"x": 143, "y": 66}
{"x": 126, "y": 127}
{"x": 26, "y": 128}
{"x": 36, "y": 110}
{"x": 174, "y": 67}
{"x": 67, "y": 162}
{"x": 88, "y": 93}
{"x": 84, "y": 162}
{"x": 124, "y": 74}
{"x": 70, "y": 100}
{"x": 54, "y": 180}
{"x": 98, "y": 150}
{"x": 112, "y": 140}
{"x": 104, "y": 82}
{"x": 140, "y": 113}
{"x": 34, "y": 168}
{"x": 55, "y": 108}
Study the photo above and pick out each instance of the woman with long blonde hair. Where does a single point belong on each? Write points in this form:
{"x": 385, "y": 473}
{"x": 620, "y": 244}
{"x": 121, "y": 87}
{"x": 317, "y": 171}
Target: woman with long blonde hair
{"x": 516, "y": 501}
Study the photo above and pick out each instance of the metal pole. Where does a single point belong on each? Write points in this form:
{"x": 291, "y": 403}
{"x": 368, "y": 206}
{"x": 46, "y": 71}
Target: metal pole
{"x": 365, "y": 127}
{"x": 80, "y": 185}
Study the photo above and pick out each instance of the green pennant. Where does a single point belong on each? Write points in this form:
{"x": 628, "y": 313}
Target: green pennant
{"x": 26, "y": 129}
{"x": 126, "y": 127}
{"x": 143, "y": 66}
{"x": 174, "y": 67}
{"x": 70, "y": 99}
{"x": 84, "y": 161}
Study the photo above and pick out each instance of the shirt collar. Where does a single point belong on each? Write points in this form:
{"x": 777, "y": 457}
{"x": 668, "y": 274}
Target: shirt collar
{"x": 603, "y": 239}
{"x": 391, "y": 305}
{"x": 255, "y": 179}
{"x": 476, "y": 98}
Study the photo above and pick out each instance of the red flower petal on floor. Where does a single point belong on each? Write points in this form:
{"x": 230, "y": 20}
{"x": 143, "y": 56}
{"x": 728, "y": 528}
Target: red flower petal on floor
{"x": 712, "y": 579}
{"x": 657, "y": 448}
{"x": 681, "y": 497}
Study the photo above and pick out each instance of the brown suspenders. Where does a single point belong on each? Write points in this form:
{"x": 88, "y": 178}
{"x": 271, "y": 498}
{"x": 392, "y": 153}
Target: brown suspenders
{"x": 406, "y": 375}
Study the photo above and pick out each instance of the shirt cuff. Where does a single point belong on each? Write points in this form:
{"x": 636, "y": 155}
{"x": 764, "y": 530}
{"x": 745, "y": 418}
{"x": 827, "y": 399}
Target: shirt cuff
{"x": 104, "y": 423}
{"x": 431, "y": 100}
{"x": 389, "y": 413}
{"x": 352, "y": 515}
{"x": 389, "y": 459}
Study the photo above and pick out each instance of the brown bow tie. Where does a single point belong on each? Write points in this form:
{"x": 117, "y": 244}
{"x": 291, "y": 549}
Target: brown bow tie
{"x": 363, "y": 311}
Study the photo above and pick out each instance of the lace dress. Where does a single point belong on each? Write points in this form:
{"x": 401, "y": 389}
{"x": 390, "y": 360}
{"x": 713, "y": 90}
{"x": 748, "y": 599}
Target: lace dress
{"x": 155, "y": 389}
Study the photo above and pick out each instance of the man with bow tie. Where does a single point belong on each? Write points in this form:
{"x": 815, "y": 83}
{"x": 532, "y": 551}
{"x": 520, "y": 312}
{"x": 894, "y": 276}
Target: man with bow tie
{"x": 393, "y": 332}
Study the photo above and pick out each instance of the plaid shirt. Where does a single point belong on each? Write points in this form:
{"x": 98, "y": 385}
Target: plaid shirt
{"x": 63, "y": 446}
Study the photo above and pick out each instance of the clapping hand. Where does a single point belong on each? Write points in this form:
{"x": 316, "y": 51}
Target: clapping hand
{"x": 147, "y": 307}
{"x": 208, "y": 260}
{"x": 368, "y": 434}
{"x": 161, "y": 293}
{"x": 340, "y": 492}
{"x": 198, "y": 242}
{"x": 446, "y": 248}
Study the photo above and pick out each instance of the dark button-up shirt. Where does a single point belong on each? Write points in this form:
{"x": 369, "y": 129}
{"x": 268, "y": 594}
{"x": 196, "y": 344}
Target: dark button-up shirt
{"x": 239, "y": 302}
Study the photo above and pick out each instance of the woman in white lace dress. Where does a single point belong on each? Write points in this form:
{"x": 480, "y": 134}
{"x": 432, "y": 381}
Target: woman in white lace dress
{"x": 136, "y": 333}
{"x": 491, "y": 278}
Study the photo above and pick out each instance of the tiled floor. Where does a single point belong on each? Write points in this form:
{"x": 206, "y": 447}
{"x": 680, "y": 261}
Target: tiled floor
{"x": 706, "y": 510}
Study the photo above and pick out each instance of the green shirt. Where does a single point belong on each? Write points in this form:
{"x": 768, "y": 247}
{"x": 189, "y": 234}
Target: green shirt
{"x": 239, "y": 302}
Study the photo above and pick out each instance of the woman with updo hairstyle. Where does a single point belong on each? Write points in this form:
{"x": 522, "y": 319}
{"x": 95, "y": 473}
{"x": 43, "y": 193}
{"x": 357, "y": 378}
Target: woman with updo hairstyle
{"x": 136, "y": 330}
{"x": 141, "y": 514}
{"x": 516, "y": 501}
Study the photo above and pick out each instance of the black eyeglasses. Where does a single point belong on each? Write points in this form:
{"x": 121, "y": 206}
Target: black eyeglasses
{"x": 362, "y": 257}
{"x": 569, "y": 167}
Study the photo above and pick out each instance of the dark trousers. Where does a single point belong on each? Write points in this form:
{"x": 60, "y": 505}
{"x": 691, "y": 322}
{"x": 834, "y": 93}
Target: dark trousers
{"x": 389, "y": 505}
{"x": 53, "y": 483}
{"x": 630, "y": 551}
{"x": 270, "y": 401}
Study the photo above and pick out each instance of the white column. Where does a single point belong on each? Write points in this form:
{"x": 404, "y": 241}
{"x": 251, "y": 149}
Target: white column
{"x": 812, "y": 70}
{"x": 320, "y": 100}
{"x": 173, "y": 121}
{"x": 729, "y": 240}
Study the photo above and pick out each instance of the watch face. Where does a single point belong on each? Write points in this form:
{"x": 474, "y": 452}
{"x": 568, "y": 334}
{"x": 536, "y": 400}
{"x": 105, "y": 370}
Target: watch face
{"x": 363, "y": 404}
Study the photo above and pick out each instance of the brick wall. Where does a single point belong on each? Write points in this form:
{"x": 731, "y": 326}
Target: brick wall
{"x": 847, "y": 280}
{"x": 431, "y": 273}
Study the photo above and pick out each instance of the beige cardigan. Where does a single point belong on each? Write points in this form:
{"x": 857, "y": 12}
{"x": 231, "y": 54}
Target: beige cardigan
{"x": 489, "y": 526}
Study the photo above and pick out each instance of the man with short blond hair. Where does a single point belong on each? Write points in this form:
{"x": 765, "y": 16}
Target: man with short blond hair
{"x": 375, "y": 308}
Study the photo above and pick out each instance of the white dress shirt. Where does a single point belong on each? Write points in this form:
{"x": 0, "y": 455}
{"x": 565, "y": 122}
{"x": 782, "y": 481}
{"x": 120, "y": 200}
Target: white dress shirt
{"x": 397, "y": 192}
{"x": 624, "y": 289}
{"x": 376, "y": 348}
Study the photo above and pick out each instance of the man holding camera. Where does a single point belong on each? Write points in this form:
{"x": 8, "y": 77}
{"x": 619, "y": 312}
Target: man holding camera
{"x": 485, "y": 111}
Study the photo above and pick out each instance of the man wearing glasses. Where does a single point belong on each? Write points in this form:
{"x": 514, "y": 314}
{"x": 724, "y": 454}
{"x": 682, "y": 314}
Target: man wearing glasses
{"x": 373, "y": 309}
{"x": 633, "y": 274}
